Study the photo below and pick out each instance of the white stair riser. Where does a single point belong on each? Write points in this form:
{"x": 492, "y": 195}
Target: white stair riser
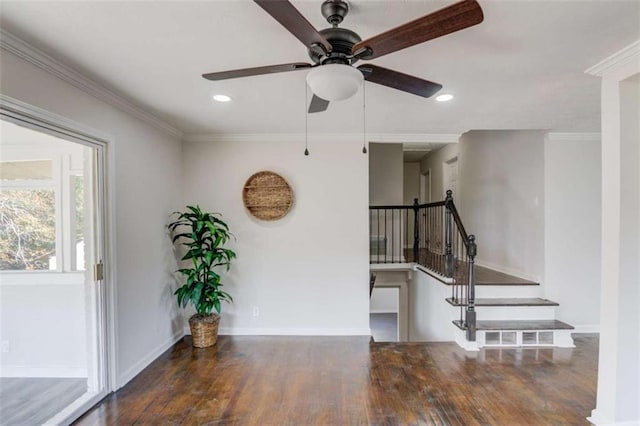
{"x": 561, "y": 339}
{"x": 515, "y": 313}
{"x": 508, "y": 291}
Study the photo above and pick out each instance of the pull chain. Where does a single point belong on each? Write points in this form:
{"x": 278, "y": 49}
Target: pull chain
{"x": 364, "y": 120}
{"x": 306, "y": 120}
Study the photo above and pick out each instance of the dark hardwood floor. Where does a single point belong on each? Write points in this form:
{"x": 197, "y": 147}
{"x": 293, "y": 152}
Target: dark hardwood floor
{"x": 32, "y": 400}
{"x": 345, "y": 380}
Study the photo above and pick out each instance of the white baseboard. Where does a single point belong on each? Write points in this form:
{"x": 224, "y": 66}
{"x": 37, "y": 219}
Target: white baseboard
{"x": 42, "y": 371}
{"x": 383, "y": 311}
{"x": 588, "y": 328}
{"x": 136, "y": 368}
{"x": 240, "y": 331}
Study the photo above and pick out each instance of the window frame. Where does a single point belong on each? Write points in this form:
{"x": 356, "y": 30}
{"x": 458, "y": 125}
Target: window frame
{"x": 62, "y": 169}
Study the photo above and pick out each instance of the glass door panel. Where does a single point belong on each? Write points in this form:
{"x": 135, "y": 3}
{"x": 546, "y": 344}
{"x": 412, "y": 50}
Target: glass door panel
{"x": 50, "y": 346}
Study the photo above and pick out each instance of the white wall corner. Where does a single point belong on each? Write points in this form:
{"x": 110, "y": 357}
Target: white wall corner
{"x": 621, "y": 58}
{"x": 136, "y": 368}
{"x": 31, "y": 54}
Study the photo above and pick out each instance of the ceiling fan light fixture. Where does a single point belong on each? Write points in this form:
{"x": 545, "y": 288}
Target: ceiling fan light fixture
{"x": 334, "y": 82}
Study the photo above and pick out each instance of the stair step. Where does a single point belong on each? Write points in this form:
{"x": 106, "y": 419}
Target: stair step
{"x": 512, "y": 301}
{"x": 518, "y": 325}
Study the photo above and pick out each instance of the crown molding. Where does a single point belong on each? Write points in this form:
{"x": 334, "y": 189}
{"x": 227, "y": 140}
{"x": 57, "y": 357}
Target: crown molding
{"x": 618, "y": 59}
{"x": 23, "y": 50}
{"x": 573, "y": 137}
{"x": 412, "y": 138}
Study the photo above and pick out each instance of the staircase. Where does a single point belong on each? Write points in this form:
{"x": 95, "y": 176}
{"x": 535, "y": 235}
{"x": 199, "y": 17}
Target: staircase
{"x": 495, "y": 309}
{"x": 517, "y": 318}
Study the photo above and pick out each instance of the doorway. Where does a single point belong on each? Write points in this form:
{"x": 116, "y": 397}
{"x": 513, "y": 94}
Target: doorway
{"x": 425, "y": 187}
{"x": 53, "y": 355}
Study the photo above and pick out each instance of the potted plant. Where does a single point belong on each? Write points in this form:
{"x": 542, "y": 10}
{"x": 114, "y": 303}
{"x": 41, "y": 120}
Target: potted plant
{"x": 204, "y": 236}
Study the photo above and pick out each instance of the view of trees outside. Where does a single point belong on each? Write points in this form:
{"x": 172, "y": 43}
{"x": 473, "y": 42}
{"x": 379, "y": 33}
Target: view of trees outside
{"x": 27, "y": 228}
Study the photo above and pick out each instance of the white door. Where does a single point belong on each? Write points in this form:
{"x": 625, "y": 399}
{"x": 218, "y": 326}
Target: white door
{"x": 53, "y": 353}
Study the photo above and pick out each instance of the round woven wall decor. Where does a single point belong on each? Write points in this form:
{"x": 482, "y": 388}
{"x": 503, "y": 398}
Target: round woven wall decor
{"x": 267, "y": 196}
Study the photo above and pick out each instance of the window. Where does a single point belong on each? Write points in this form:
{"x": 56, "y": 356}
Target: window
{"x": 27, "y": 215}
{"x": 42, "y": 207}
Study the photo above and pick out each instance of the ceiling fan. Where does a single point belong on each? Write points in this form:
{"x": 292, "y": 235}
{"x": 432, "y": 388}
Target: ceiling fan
{"x": 334, "y": 50}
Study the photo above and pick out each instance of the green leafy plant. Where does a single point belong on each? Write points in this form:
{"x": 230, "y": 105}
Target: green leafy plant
{"x": 204, "y": 235}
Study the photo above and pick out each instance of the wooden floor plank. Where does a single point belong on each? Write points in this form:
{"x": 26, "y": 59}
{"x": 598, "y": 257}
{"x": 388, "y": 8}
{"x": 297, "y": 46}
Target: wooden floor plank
{"x": 251, "y": 380}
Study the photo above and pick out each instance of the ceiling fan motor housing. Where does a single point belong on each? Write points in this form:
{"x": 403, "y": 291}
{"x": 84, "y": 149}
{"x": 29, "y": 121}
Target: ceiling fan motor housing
{"x": 341, "y": 40}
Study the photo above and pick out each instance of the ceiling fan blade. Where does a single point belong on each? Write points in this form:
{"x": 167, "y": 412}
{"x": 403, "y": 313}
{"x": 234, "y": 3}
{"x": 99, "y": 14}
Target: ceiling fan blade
{"x": 247, "y": 72}
{"x": 399, "y": 81}
{"x": 445, "y": 21}
{"x": 290, "y": 18}
{"x": 318, "y": 104}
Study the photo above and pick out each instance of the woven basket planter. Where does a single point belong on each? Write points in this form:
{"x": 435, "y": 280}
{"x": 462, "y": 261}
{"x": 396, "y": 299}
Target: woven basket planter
{"x": 204, "y": 330}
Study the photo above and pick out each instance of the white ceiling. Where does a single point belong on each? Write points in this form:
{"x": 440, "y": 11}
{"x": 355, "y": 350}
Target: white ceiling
{"x": 522, "y": 68}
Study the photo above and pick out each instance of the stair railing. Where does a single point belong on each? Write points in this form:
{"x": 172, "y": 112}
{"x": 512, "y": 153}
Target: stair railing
{"x": 431, "y": 235}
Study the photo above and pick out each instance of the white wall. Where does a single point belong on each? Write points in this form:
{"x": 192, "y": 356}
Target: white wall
{"x": 411, "y": 182}
{"x": 146, "y": 170}
{"x": 384, "y": 300}
{"x": 430, "y": 315}
{"x": 572, "y": 228}
{"x": 385, "y": 174}
{"x": 435, "y": 162}
{"x": 36, "y": 315}
{"x": 308, "y": 272}
{"x": 501, "y": 176}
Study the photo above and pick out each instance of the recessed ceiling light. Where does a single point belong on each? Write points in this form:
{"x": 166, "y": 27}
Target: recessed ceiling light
{"x": 221, "y": 98}
{"x": 444, "y": 98}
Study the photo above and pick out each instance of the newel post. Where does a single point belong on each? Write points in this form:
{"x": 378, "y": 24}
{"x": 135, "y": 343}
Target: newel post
{"x": 448, "y": 234}
{"x": 470, "y": 319}
{"x": 416, "y": 231}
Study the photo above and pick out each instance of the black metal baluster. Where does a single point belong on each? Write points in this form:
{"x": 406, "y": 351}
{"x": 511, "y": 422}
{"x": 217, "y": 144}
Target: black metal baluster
{"x": 393, "y": 241}
{"x": 407, "y": 240}
{"x": 471, "y": 298}
{"x": 418, "y": 231}
{"x": 370, "y": 235}
{"x": 378, "y": 238}
{"x": 386, "y": 240}
{"x": 440, "y": 257}
{"x": 424, "y": 253}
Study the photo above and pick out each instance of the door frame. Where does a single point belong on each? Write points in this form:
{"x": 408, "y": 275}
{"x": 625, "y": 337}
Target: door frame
{"x": 26, "y": 115}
